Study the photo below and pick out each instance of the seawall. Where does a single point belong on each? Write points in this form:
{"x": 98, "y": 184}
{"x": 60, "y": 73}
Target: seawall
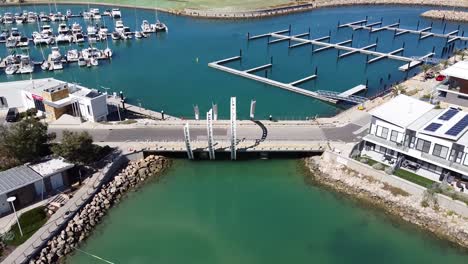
{"x": 444, "y": 217}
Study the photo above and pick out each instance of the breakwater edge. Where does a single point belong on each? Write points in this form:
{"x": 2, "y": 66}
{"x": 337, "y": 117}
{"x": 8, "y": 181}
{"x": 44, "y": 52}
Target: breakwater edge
{"x": 413, "y": 207}
{"x": 267, "y": 11}
{"x": 81, "y": 226}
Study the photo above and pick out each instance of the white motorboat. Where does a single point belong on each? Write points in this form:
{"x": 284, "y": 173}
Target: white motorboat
{"x": 15, "y": 34}
{"x": 107, "y": 12}
{"x": 127, "y": 32}
{"x": 115, "y": 35}
{"x": 90, "y": 52}
{"x": 159, "y": 26}
{"x": 63, "y": 29}
{"x": 94, "y": 61}
{"x": 57, "y": 65}
{"x": 19, "y": 19}
{"x": 23, "y": 42}
{"x": 102, "y": 35}
{"x": 116, "y": 13}
{"x": 11, "y": 69}
{"x": 61, "y": 38}
{"x": 82, "y": 62}
{"x": 25, "y": 65}
{"x": 57, "y": 17}
{"x": 76, "y": 28}
{"x": 107, "y": 53}
{"x": 39, "y": 38}
{"x": 46, "y": 29}
{"x": 119, "y": 26}
{"x": 95, "y": 13}
{"x": 104, "y": 29}
{"x": 32, "y": 17}
{"x": 8, "y": 18}
{"x": 72, "y": 55}
{"x": 43, "y": 17}
{"x": 4, "y": 35}
{"x": 146, "y": 27}
{"x": 92, "y": 38}
{"x": 86, "y": 15}
{"x": 69, "y": 13}
{"x": 55, "y": 54}
{"x": 91, "y": 29}
{"x": 78, "y": 37}
{"x": 138, "y": 35}
{"x": 45, "y": 65}
{"x": 11, "y": 42}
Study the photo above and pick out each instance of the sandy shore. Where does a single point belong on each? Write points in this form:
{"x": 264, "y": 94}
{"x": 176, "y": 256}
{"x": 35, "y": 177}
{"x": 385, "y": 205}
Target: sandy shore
{"x": 287, "y": 8}
{"x": 446, "y": 15}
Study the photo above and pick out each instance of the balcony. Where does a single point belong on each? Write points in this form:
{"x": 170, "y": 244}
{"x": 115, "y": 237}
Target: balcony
{"x": 450, "y": 165}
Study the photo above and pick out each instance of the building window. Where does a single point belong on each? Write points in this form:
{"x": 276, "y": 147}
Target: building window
{"x": 382, "y": 132}
{"x": 394, "y": 136}
{"x": 423, "y": 145}
{"x": 440, "y": 151}
{"x": 89, "y": 110}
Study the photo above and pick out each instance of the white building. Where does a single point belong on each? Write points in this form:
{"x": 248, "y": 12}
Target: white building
{"x": 454, "y": 89}
{"x": 434, "y": 142}
{"x": 55, "y": 98}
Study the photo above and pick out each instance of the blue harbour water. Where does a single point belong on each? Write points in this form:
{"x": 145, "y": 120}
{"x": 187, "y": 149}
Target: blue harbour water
{"x": 247, "y": 211}
{"x": 169, "y": 71}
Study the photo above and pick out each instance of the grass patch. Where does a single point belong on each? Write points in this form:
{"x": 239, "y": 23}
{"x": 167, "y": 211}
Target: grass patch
{"x": 414, "y": 178}
{"x": 394, "y": 190}
{"x": 30, "y": 222}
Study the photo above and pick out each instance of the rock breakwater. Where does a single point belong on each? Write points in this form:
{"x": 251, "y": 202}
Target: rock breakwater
{"x": 395, "y": 201}
{"x": 83, "y": 223}
{"x": 450, "y": 15}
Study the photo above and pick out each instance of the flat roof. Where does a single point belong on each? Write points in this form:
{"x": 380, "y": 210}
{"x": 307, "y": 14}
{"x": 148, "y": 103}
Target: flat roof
{"x": 424, "y": 119}
{"x": 444, "y": 125}
{"x": 17, "y": 177}
{"x": 401, "y": 110}
{"x": 458, "y": 70}
{"x": 50, "y": 167}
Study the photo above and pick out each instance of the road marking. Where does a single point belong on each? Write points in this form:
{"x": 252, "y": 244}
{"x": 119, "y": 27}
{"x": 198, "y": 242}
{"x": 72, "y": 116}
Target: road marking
{"x": 362, "y": 129}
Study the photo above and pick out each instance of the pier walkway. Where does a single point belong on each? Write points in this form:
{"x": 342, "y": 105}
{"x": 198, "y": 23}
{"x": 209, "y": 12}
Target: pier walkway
{"x": 423, "y": 32}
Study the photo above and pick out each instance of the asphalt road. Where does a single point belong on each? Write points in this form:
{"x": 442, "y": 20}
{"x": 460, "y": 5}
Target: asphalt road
{"x": 254, "y": 132}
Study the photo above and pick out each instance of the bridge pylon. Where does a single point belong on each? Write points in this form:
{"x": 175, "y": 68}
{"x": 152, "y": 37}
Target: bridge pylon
{"x": 187, "y": 141}
{"x": 233, "y": 128}
{"x": 209, "y": 126}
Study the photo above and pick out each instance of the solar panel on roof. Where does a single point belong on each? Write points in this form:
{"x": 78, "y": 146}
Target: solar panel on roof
{"x": 458, "y": 127}
{"x": 448, "y": 114}
{"x": 433, "y": 127}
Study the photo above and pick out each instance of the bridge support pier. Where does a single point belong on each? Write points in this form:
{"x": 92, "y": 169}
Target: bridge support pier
{"x": 233, "y": 128}
{"x": 209, "y": 125}
{"x": 187, "y": 141}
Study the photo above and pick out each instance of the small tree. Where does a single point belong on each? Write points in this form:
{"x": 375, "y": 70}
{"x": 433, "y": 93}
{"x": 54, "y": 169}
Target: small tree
{"x": 425, "y": 68}
{"x": 444, "y": 63}
{"x": 398, "y": 89}
{"x": 24, "y": 141}
{"x": 77, "y": 147}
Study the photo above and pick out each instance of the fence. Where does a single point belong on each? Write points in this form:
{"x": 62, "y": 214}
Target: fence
{"x": 444, "y": 201}
{"x": 58, "y": 221}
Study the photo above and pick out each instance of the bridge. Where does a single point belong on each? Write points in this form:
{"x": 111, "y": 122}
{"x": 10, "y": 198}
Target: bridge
{"x": 252, "y": 137}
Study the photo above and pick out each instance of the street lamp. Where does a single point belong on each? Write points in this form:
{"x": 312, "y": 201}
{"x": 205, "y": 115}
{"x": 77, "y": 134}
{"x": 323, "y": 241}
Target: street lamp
{"x": 11, "y": 200}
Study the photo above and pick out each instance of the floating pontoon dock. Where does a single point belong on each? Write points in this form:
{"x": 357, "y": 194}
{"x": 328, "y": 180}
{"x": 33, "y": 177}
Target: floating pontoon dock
{"x": 423, "y": 33}
{"x": 327, "y": 96}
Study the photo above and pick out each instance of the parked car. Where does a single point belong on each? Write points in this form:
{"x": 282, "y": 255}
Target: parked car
{"x": 440, "y": 78}
{"x": 12, "y": 115}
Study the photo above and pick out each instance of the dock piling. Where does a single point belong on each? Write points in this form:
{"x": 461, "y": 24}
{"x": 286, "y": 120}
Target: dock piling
{"x": 417, "y": 26}
{"x": 316, "y": 70}
{"x": 445, "y": 27}
{"x": 248, "y": 35}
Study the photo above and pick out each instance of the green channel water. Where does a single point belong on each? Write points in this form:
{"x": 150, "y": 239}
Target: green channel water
{"x": 253, "y": 212}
